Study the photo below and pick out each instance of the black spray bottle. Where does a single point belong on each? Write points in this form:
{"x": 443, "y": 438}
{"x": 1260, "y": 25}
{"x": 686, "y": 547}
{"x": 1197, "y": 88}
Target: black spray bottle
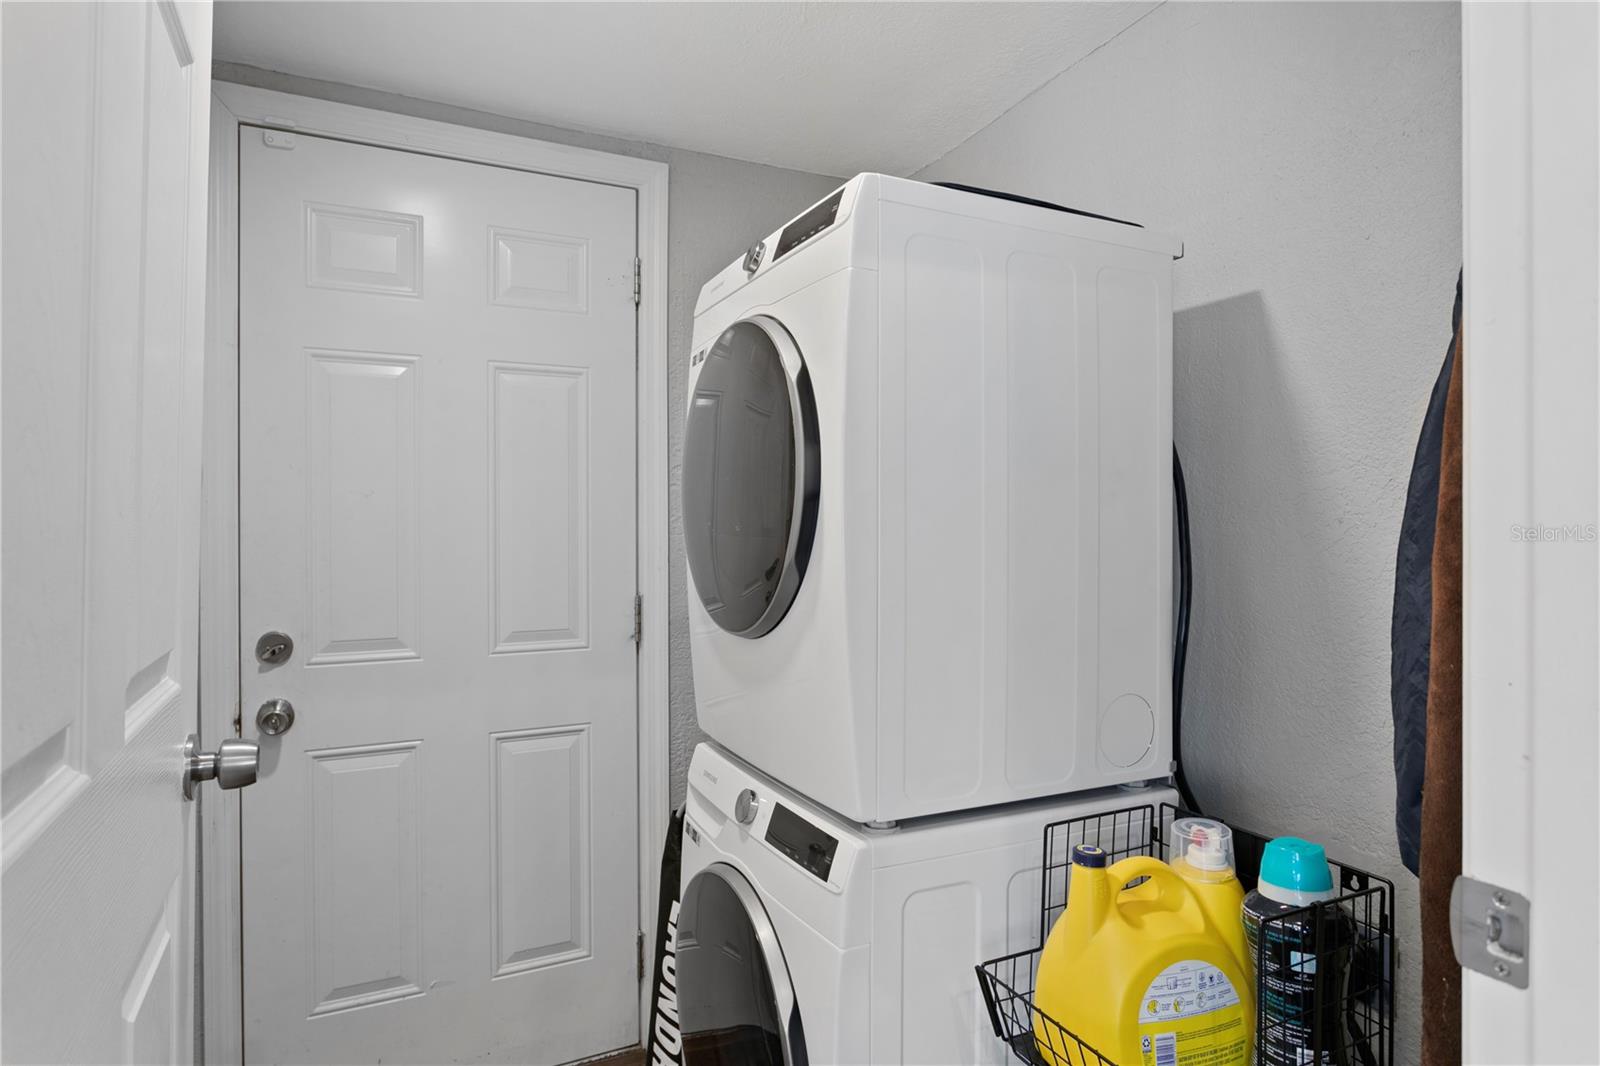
{"x": 1300, "y": 945}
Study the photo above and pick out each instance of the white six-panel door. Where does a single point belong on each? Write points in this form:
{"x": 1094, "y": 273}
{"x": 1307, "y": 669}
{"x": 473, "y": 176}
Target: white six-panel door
{"x": 437, "y": 486}
{"x": 105, "y": 131}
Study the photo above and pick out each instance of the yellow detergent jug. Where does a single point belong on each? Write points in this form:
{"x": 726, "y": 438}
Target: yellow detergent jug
{"x": 1156, "y": 974}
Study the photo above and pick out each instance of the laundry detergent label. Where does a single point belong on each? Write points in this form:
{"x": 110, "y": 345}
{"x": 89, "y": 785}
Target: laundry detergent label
{"x": 1191, "y": 1015}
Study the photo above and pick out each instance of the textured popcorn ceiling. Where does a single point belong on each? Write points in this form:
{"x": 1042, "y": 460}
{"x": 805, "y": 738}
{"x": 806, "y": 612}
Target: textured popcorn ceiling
{"x": 830, "y": 88}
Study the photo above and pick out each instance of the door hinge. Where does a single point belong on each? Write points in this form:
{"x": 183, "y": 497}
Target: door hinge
{"x": 279, "y": 139}
{"x": 638, "y": 620}
{"x": 638, "y": 942}
{"x": 1489, "y": 930}
{"x": 637, "y": 283}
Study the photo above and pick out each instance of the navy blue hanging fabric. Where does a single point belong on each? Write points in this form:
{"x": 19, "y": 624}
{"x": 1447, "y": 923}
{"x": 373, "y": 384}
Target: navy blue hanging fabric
{"x": 1412, "y": 625}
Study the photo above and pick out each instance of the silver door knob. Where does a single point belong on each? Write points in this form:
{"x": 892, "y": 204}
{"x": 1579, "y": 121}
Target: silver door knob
{"x": 232, "y": 765}
{"x": 744, "y": 807}
{"x": 275, "y": 717}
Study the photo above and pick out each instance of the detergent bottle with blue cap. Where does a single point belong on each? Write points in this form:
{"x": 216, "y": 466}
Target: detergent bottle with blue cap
{"x": 1153, "y": 974}
{"x": 1303, "y": 945}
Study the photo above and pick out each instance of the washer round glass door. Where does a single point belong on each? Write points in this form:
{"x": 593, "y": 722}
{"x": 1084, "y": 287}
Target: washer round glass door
{"x": 750, "y": 476}
{"x": 735, "y": 1001}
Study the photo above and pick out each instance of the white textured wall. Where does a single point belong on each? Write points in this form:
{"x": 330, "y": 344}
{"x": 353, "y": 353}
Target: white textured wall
{"x": 1310, "y": 156}
{"x": 717, "y": 208}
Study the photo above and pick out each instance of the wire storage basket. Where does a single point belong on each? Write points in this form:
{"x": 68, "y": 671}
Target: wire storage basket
{"x": 1353, "y": 934}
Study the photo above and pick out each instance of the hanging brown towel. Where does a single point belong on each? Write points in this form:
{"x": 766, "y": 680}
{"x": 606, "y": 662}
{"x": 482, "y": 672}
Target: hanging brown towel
{"x": 1440, "y": 860}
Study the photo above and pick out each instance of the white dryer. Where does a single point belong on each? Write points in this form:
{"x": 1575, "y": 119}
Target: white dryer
{"x": 805, "y": 939}
{"x": 927, "y": 501}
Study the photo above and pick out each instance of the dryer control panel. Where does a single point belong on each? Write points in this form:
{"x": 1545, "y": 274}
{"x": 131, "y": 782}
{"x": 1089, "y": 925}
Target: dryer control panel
{"x": 807, "y": 226}
{"x": 808, "y": 846}
{"x": 811, "y": 227}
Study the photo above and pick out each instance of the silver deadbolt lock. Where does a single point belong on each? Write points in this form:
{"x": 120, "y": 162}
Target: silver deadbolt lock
{"x": 274, "y": 717}
{"x": 274, "y": 647}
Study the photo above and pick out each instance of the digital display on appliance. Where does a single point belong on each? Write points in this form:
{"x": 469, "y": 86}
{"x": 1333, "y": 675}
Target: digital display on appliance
{"x": 803, "y": 842}
{"x": 808, "y": 225}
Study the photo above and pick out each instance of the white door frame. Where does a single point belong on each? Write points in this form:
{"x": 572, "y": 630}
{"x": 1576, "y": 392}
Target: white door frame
{"x": 1531, "y": 618}
{"x": 234, "y": 106}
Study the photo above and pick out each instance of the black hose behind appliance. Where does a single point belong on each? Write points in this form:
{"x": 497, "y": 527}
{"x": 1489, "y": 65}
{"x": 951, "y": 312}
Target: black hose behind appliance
{"x": 1180, "y": 642}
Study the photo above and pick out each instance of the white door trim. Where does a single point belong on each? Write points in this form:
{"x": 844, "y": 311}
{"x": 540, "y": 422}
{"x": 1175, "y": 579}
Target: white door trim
{"x": 237, "y": 105}
{"x": 1530, "y": 612}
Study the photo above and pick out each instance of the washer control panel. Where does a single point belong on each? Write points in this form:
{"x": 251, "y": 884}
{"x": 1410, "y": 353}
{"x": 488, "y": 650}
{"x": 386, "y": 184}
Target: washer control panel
{"x": 733, "y": 813}
{"x": 809, "y": 847}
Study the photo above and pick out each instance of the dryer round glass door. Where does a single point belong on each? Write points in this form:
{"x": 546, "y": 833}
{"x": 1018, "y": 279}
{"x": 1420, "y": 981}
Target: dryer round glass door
{"x": 735, "y": 1001}
{"x": 750, "y": 476}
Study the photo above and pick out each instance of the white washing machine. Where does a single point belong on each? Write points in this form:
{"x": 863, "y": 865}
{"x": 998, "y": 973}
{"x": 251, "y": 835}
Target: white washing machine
{"x": 806, "y": 939}
{"x": 927, "y": 497}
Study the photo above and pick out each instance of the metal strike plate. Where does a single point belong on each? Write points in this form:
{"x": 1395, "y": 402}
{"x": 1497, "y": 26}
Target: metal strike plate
{"x": 274, "y": 647}
{"x": 1489, "y": 930}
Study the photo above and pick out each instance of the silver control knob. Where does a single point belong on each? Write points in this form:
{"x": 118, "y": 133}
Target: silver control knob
{"x": 744, "y": 808}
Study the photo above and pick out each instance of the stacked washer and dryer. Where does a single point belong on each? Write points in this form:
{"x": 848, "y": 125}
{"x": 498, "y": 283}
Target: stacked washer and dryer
{"x": 928, "y": 519}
